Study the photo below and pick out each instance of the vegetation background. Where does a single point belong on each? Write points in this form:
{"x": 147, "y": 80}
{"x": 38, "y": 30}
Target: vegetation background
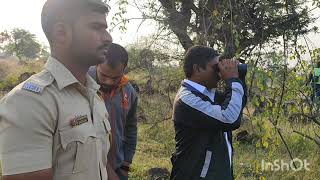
{"x": 280, "y": 122}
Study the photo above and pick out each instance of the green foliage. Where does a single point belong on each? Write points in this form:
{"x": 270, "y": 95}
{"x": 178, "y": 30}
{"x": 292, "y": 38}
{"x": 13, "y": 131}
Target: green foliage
{"x": 235, "y": 27}
{"x": 155, "y": 145}
{"x": 279, "y": 101}
{"x": 13, "y": 71}
{"x": 20, "y": 43}
{"x": 119, "y": 16}
{"x": 277, "y": 95}
{"x": 9, "y": 82}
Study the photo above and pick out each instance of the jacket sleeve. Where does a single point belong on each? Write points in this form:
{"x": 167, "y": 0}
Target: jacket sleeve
{"x": 224, "y": 115}
{"x": 130, "y": 133}
{"x": 221, "y": 96}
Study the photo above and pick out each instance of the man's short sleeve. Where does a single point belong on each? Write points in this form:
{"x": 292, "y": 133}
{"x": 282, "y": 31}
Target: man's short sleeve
{"x": 27, "y": 125}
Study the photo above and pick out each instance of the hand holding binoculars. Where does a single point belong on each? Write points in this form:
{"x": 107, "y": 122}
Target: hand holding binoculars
{"x": 242, "y": 67}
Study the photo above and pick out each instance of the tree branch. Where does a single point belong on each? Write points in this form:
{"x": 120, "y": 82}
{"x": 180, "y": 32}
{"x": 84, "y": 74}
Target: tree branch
{"x": 308, "y": 137}
{"x": 179, "y": 21}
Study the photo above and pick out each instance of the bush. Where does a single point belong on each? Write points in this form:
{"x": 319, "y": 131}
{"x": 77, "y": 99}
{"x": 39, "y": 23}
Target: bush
{"x": 12, "y": 70}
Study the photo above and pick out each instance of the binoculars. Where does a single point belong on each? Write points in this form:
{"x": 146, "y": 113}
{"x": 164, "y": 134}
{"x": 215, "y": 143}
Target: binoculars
{"x": 242, "y": 69}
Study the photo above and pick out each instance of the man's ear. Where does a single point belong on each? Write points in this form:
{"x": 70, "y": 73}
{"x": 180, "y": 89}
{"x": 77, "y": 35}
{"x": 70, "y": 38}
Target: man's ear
{"x": 196, "y": 68}
{"x": 126, "y": 70}
{"x": 62, "y": 34}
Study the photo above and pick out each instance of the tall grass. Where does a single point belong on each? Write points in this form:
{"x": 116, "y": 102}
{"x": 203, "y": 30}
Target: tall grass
{"x": 156, "y": 143}
{"x": 156, "y": 134}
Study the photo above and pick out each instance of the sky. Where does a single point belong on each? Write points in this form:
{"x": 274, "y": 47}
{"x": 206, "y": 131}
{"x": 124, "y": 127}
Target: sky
{"x": 26, "y": 14}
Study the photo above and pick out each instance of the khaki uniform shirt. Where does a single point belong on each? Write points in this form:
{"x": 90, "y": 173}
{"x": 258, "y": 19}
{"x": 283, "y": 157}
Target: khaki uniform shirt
{"x": 53, "y": 121}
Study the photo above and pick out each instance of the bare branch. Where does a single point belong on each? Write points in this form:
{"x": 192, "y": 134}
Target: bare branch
{"x": 308, "y": 137}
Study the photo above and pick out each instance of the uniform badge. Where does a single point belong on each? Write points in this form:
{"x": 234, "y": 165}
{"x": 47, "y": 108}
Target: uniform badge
{"x": 30, "y": 86}
{"x": 78, "y": 120}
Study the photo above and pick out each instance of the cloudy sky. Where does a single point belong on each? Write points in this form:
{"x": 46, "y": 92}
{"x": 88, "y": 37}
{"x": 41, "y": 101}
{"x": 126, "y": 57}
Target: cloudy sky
{"x": 26, "y": 14}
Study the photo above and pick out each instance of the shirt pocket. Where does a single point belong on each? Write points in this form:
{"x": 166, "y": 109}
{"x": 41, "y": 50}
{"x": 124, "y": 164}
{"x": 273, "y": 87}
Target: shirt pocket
{"x": 78, "y": 146}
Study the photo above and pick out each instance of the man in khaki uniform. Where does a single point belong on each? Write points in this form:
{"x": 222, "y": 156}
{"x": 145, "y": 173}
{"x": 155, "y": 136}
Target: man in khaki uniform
{"x": 54, "y": 125}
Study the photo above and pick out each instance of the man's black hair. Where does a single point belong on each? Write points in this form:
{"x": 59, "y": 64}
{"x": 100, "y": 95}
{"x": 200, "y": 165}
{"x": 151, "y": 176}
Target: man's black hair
{"x": 199, "y": 55}
{"x": 67, "y": 11}
{"x": 116, "y": 55}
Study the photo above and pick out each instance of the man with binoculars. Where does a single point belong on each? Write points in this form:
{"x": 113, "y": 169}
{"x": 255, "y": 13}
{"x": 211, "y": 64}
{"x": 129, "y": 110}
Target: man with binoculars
{"x": 204, "y": 117}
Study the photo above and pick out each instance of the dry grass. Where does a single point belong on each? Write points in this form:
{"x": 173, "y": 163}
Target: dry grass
{"x": 7, "y": 66}
{"x": 13, "y": 66}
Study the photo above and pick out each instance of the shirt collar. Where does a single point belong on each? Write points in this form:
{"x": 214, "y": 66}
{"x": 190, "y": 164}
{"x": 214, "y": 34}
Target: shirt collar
{"x": 64, "y": 77}
{"x": 200, "y": 88}
{"x": 195, "y": 85}
{"x": 91, "y": 83}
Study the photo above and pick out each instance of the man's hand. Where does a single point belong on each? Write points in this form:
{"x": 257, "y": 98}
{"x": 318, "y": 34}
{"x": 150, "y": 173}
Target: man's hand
{"x": 112, "y": 175}
{"x": 39, "y": 175}
{"x": 124, "y": 172}
{"x": 228, "y": 69}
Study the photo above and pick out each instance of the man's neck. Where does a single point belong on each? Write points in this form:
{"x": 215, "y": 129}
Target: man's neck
{"x": 76, "y": 69}
{"x": 196, "y": 81}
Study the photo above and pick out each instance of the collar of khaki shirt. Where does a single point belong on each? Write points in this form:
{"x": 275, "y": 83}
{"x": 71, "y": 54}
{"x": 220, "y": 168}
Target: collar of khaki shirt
{"x": 64, "y": 77}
